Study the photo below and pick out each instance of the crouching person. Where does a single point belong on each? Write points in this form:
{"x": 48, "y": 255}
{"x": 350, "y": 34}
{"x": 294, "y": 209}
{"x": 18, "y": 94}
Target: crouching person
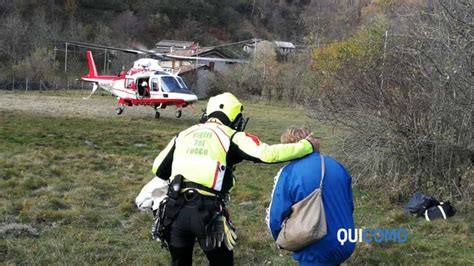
{"x": 299, "y": 179}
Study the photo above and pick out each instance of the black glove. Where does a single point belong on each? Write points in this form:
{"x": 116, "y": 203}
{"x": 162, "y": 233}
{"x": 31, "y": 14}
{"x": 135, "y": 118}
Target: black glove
{"x": 219, "y": 230}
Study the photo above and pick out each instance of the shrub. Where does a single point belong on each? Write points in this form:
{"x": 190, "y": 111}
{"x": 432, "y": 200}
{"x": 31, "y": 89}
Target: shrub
{"x": 290, "y": 80}
{"x": 405, "y": 99}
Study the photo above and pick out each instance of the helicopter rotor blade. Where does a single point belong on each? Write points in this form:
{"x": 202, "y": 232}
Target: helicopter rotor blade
{"x": 209, "y": 59}
{"x": 141, "y": 49}
{"x": 98, "y": 46}
{"x": 169, "y": 57}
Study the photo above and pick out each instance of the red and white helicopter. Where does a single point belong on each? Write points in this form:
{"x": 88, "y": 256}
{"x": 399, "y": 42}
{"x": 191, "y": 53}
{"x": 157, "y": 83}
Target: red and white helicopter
{"x": 147, "y": 83}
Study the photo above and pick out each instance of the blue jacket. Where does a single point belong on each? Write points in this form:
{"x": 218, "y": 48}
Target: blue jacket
{"x": 297, "y": 180}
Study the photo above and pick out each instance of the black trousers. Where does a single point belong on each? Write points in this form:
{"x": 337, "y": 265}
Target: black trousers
{"x": 188, "y": 226}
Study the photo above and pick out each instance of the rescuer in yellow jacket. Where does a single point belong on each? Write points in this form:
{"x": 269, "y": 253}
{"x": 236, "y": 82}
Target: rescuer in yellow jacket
{"x": 199, "y": 162}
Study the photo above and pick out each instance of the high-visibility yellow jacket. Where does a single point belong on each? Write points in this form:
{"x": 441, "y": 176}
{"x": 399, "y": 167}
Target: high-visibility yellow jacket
{"x": 206, "y": 153}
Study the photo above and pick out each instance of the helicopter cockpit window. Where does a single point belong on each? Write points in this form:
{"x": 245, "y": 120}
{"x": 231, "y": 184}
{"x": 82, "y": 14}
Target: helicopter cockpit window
{"x": 154, "y": 84}
{"x": 171, "y": 84}
{"x": 181, "y": 82}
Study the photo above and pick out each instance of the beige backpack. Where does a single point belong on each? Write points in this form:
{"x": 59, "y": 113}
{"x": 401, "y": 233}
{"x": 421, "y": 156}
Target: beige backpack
{"x": 307, "y": 221}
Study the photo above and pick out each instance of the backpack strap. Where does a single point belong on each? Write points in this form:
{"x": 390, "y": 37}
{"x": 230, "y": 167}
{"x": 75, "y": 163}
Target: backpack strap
{"x": 323, "y": 170}
{"x": 193, "y": 185}
{"x": 442, "y": 211}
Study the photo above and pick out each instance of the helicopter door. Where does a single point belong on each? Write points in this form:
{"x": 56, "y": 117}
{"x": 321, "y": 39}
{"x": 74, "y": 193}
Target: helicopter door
{"x": 142, "y": 87}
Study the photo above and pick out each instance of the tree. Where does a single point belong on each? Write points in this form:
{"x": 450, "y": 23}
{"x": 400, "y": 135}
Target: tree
{"x": 127, "y": 26}
{"x": 13, "y": 41}
{"x": 40, "y": 65}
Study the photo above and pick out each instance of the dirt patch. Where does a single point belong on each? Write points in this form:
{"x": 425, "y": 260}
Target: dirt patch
{"x": 18, "y": 229}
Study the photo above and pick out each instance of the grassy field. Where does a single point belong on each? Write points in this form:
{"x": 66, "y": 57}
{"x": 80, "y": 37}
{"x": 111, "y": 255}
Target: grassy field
{"x": 70, "y": 170}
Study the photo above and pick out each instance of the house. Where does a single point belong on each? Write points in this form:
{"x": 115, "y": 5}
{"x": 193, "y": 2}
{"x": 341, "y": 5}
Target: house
{"x": 187, "y": 48}
{"x": 195, "y": 72}
{"x": 198, "y": 74}
{"x": 250, "y": 46}
{"x": 282, "y": 48}
{"x": 197, "y": 78}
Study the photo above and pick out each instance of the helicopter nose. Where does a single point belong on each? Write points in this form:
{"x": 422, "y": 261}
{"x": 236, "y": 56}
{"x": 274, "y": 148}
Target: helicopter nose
{"x": 191, "y": 98}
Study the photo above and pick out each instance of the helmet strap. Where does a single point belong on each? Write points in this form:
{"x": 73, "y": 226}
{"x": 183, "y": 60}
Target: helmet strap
{"x": 221, "y": 116}
{"x": 239, "y": 123}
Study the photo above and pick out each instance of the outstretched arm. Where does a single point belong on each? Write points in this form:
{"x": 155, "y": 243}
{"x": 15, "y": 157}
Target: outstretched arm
{"x": 252, "y": 149}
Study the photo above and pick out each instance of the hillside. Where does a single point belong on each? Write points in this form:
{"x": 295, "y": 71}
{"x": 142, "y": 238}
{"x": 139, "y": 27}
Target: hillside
{"x": 30, "y": 25}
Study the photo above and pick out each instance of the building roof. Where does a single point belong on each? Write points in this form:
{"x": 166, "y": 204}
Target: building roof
{"x": 278, "y": 44}
{"x": 188, "y": 68}
{"x": 192, "y": 52}
{"x": 189, "y": 48}
{"x": 173, "y": 45}
{"x": 202, "y": 51}
{"x": 253, "y": 42}
{"x": 288, "y": 45}
{"x": 176, "y": 44}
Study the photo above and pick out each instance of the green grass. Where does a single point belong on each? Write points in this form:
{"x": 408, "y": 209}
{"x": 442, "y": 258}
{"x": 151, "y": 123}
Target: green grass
{"x": 75, "y": 179}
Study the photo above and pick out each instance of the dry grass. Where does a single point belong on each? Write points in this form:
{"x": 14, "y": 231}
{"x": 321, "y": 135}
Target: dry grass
{"x": 69, "y": 177}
